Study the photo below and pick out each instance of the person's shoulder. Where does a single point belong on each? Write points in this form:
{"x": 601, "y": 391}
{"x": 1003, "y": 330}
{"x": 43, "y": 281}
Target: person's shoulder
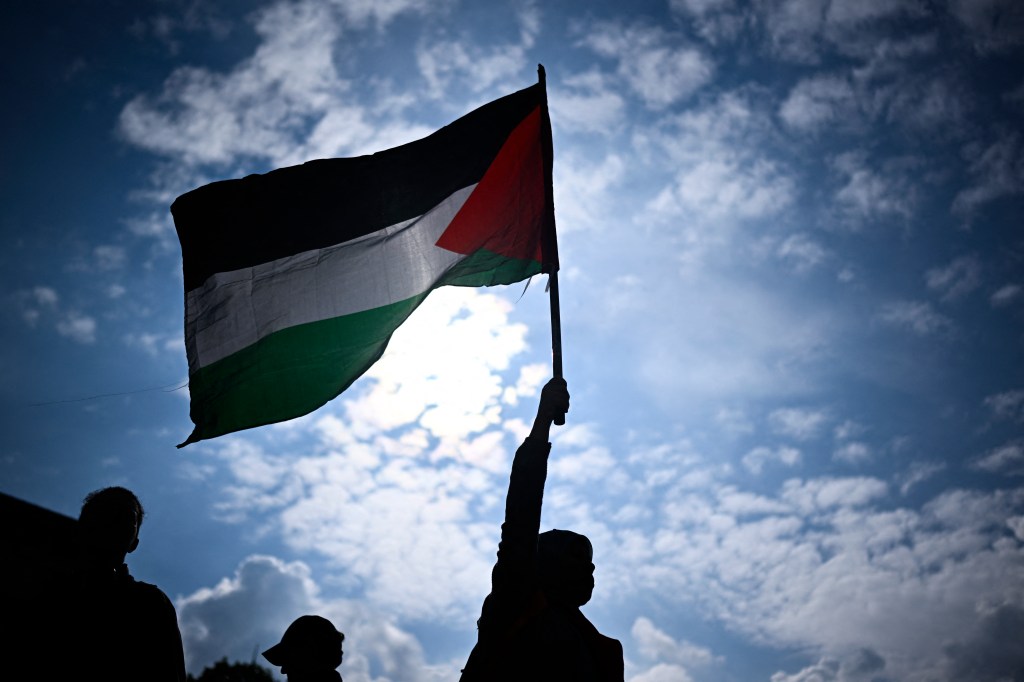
{"x": 150, "y": 589}
{"x": 149, "y": 592}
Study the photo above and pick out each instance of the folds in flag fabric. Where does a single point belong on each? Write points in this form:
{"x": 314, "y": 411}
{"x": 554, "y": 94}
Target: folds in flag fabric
{"x": 296, "y": 279}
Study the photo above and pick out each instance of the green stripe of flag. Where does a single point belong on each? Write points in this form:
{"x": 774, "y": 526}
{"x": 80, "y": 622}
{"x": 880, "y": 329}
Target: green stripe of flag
{"x": 290, "y": 372}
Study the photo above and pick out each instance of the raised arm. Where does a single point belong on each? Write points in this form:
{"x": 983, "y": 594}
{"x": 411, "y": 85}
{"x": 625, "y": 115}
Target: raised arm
{"x": 515, "y": 571}
{"x": 514, "y": 580}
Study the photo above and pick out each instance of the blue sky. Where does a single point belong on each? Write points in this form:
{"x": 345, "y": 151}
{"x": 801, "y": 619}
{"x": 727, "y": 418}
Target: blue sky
{"x": 792, "y": 305}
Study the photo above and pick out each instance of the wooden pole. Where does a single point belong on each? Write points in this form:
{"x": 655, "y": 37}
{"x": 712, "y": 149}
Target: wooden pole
{"x": 551, "y": 246}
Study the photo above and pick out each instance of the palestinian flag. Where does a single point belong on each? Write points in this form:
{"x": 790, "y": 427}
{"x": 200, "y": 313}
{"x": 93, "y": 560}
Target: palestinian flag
{"x": 296, "y": 279}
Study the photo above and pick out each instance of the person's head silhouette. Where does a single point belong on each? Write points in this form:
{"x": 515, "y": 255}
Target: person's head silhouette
{"x": 108, "y": 527}
{"x": 565, "y": 565}
{"x": 310, "y": 649}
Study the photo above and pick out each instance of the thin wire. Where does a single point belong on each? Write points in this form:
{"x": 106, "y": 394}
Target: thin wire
{"x": 166, "y": 389}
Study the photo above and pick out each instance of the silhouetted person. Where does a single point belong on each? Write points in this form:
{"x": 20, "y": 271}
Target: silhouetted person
{"x": 530, "y": 626}
{"x": 309, "y": 651}
{"x": 103, "y": 623}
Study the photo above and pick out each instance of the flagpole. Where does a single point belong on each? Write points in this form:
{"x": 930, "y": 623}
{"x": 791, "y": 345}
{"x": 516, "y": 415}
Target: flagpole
{"x": 551, "y": 243}
{"x": 556, "y": 330}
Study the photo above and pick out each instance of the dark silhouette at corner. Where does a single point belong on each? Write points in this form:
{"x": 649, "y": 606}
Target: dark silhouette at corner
{"x": 531, "y": 626}
{"x": 95, "y": 619}
{"x": 309, "y": 651}
{"x": 37, "y": 545}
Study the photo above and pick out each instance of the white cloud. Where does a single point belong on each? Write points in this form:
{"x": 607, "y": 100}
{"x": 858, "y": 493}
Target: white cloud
{"x": 396, "y": 513}
{"x": 713, "y": 177}
{"x": 798, "y": 423}
{"x": 158, "y": 225}
{"x": 264, "y": 107}
{"x": 848, "y": 429}
{"x": 957, "y": 279}
{"x": 586, "y": 190}
{"x": 851, "y": 12}
{"x": 823, "y": 671}
{"x": 852, "y": 453}
{"x": 1007, "y": 459}
{"x": 663, "y": 672}
{"x": 658, "y": 66}
{"x": 740, "y": 504}
{"x": 755, "y": 460}
{"x": 384, "y": 11}
{"x": 589, "y": 465}
{"x": 794, "y": 28}
{"x": 733, "y": 421}
{"x": 77, "y": 327}
{"x": 350, "y": 131}
{"x": 36, "y": 302}
{"x": 531, "y": 378}
{"x": 917, "y": 316}
{"x": 820, "y": 101}
{"x": 873, "y": 194}
{"x": 461, "y": 364}
{"x": 824, "y": 494}
{"x": 45, "y": 296}
{"x": 447, "y": 63}
{"x": 109, "y": 257}
{"x": 1016, "y": 524}
{"x": 374, "y": 515}
{"x": 714, "y": 20}
{"x": 699, "y": 7}
{"x": 1008, "y": 405}
{"x": 997, "y": 170}
{"x": 735, "y": 340}
{"x": 919, "y": 472}
{"x": 855, "y": 27}
{"x": 587, "y": 102}
{"x": 806, "y": 30}
{"x": 150, "y": 343}
{"x": 886, "y": 86}
{"x": 166, "y": 27}
{"x": 862, "y": 666}
{"x": 714, "y": 189}
{"x": 837, "y": 574}
{"x": 993, "y": 25}
{"x": 251, "y": 466}
{"x": 154, "y": 344}
{"x": 1006, "y": 295}
{"x": 657, "y": 645}
{"x": 802, "y": 252}
{"x": 250, "y": 610}
{"x": 989, "y": 650}
{"x": 937, "y": 105}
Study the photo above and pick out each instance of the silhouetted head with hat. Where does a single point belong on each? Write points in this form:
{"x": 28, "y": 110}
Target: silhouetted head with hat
{"x": 309, "y": 651}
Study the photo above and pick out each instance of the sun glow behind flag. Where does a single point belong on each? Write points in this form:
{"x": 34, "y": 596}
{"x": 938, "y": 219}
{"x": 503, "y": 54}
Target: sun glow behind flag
{"x": 296, "y": 279}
